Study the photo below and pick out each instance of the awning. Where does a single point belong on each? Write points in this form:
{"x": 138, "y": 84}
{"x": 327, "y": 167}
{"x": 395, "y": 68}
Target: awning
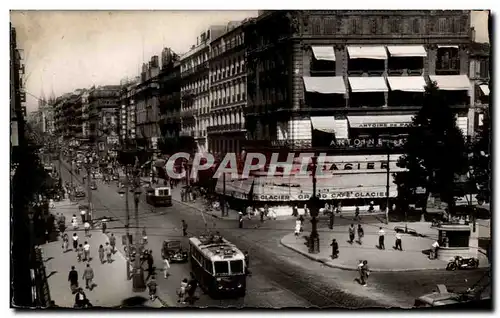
{"x": 407, "y": 51}
{"x": 367, "y": 84}
{"x": 407, "y": 83}
{"x": 485, "y": 89}
{"x": 352, "y": 186}
{"x": 367, "y": 52}
{"x": 325, "y": 85}
{"x": 324, "y": 123}
{"x": 444, "y": 46}
{"x": 383, "y": 121}
{"x": 326, "y": 53}
{"x": 451, "y": 82}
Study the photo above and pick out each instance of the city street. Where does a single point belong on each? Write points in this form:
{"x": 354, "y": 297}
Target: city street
{"x": 281, "y": 277}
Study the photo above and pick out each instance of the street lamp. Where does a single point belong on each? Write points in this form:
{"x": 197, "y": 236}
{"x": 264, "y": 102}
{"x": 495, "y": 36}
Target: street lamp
{"x": 138, "y": 282}
{"x": 314, "y": 206}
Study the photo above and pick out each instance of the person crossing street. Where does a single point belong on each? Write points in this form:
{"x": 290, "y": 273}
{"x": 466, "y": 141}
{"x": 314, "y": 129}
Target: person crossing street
{"x": 112, "y": 242}
{"x": 381, "y": 237}
{"x": 86, "y": 252}
{"x": 184, "y": 228}
{"x": 88, "y": 275}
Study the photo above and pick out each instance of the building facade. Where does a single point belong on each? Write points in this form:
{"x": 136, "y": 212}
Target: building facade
{"x": 17, "y": 94}
{"x": 195, "y": 89}
{"x": 226, "y": 130}
{"x": 127, "y": 118}
{"x": 347, "y": 83}
{"x": 103, "y": 107}
{"x": 147, "y": 106}
{"x": 479, "y": 74}
{"x": 170, "y": 103}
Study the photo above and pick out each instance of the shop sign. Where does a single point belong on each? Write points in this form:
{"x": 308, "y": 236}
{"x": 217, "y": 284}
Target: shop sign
{"x": 383, "y": 125}
{"x": 368, "y": 142}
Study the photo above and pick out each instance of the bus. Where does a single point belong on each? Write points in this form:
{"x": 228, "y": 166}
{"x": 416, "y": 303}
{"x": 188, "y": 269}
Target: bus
{"x": 218, "y": 265}
{"x": 159, "y": 196}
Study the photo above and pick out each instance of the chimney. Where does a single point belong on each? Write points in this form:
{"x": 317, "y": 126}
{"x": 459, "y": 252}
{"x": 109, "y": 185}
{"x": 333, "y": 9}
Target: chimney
{"x": 197, "y": 40}
{"x": 154, "y": 66}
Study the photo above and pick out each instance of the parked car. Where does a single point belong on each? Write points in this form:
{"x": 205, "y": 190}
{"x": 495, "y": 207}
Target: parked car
{"x": 79, "y": 193}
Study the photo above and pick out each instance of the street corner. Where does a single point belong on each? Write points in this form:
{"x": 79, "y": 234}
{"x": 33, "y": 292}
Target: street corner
{"x": 380, "y": 260}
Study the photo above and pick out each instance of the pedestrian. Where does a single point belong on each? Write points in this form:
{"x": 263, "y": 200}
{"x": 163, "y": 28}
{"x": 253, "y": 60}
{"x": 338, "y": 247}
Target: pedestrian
{"x": 365, "y": 272}
{"x": 74, "y": 222}
{"x": 166, "y": 267}
{"x": 82, "y": 215}
{"x": 247, "y": 263}
{"x": 398, "y": 244}
{"x": 240, "y": 220}
{"x": 150, "y": 264}
{"x": 184, "y": 228}
{"x": 295, "y": 211}
{"x": 298, "y": 226}
{"x": 65, "y": 242}
{"x": 306, "y": 210}
{"x": 108, "y": 251}
{"x": 81, "y": 300}
{"x": 75, "y": 241}
{"x": 361, "y": 233}
{"x": 79, "y": 252}
{"x": 331, "y": 217}
{"x": 191, "y": 289}
{"x": 86, "y": 251}
{"x": 261, "y": 211}
{"x": 101, "y": 253}
{"x": 272, "y": 214}
{"x": 371, "y": 207}
{"x": 356, "y": 214}
{"x": 104, "y": 226}
{"x": 88, "y": 275}
{"x": 182, "y": 291}
{"x": 301, "y": 219}
{"x": 112, "y": 242}
{"x": 335, "y": 249}
{"x": 381, "y": 236}
{"x": 73, "y": 279}
{"x": 434, "y": 250}
{"x": 144, "y": 236}
{"x": 87, "y": 229}
{"x": 351, "y": 233}
{"x": 152, "y": 286}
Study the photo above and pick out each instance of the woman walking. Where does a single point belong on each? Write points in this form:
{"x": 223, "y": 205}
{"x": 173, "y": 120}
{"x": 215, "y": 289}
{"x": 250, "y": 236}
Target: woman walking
{"x": 75, "y": 241}
{"x": 65, "y": 242}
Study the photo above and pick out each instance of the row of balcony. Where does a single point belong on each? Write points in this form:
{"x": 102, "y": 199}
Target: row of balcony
{"x": 194, "y": 70}
{"x": 233, "y": 71}
{"x": 226, "y": 47}
{"x": 228, "y": 100}
{"x": 226, "y": 128}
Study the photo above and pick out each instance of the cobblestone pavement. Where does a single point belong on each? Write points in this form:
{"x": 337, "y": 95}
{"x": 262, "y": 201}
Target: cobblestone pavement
{"x": 281, "y": 277}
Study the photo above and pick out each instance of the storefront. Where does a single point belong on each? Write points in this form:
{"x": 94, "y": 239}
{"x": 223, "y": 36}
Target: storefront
{"x": 351, "y": 181}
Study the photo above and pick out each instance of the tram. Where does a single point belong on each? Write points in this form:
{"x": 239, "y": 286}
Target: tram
{"x": 159, "y": 196}
{"x": 218, "y": 265}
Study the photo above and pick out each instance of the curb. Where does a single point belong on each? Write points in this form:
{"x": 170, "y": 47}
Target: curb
{"x": 352, "y": 268}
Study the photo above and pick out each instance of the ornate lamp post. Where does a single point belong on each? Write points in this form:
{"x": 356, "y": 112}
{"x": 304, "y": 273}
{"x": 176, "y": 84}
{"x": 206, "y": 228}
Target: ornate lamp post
{"x": 314, "y": 205}
{"x": 88, "y": 165}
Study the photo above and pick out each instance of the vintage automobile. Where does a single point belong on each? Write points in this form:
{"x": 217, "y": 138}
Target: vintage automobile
{"x": 79, "y": 193}
{"x": 172, "y": 249}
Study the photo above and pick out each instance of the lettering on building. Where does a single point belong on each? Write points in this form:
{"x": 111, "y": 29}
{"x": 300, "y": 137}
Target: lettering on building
{"x": 367, "y": 142}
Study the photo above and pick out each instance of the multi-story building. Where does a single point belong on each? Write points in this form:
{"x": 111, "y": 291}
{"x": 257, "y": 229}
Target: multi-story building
{"x": 347, "y": 83}
{"x": 170, "y": 103}
{"x": 103, "y": 117}
{"x": 17, "y": 95}
{"x": 479, "y": 74}
{"x": 127, "y": 119}
{"x": 195, "y": 93}
{"x": 226, "y": 130}
{"x": 147, "y": 105}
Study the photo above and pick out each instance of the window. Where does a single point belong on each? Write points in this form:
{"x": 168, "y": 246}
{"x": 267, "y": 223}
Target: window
{"x": 416, "y": 26}
{"x": 221, "y": 268}
{"x": 316, "y": 24}
{"x": 395, "y": 26}
{"x": 447, "y": 61}
{"x": 329, "y": 26}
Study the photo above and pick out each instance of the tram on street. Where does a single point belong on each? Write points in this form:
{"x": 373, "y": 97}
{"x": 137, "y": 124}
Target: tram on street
{"x": 218, "y": 265}
{"x": 159, "y": 196}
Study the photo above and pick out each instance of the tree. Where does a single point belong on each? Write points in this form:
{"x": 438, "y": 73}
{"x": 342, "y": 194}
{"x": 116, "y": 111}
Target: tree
{"x": 434, "y": 153}
{"x": 481, "y": 159}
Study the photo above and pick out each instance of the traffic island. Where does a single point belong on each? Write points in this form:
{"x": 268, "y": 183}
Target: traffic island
{"x": 411, "y": 258}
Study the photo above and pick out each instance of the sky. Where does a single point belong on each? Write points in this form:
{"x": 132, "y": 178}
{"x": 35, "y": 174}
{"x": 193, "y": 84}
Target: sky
{"x": 66, "y": 50}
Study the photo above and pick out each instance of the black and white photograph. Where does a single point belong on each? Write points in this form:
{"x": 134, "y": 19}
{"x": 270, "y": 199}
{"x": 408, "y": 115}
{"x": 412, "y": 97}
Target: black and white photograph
{"x": 242, "y": 159}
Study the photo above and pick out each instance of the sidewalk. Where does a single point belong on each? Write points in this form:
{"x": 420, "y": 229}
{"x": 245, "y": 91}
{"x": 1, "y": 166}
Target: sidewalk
{"x": 112, "y": 285}
{"x": 411, "y": 258}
